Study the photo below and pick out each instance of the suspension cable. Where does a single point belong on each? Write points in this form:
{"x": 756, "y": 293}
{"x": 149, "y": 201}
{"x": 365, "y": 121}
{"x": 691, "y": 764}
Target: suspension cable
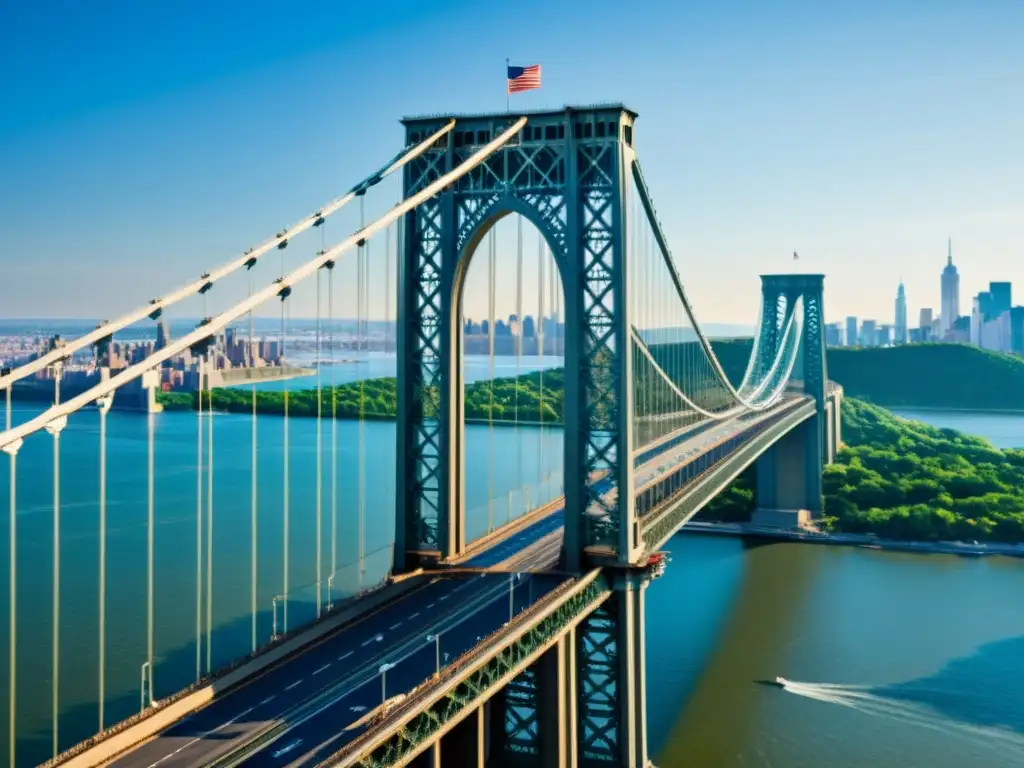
{"x": 361, "y": 263}
{"x": 103, "y": 404}
{"x": 319, "y": 455}
{"x": 540, "y": 354}
{"x": 334, "y": 436}
{"x": 199, "y": 521}
{"x": 253, "y": 490}
{"x": 491, "y": 259}
{"x": 150, "y": 535}
{"x": 209, "y": 519}
{"x": 519, "y": 350}
{"x": 55, "y": 428}
{"x": 12, "y": 619}
{"x": 286, "y": 470}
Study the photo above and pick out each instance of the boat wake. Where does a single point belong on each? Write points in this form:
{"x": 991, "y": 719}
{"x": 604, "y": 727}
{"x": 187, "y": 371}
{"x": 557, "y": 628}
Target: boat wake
{"x": 861, "y": 698}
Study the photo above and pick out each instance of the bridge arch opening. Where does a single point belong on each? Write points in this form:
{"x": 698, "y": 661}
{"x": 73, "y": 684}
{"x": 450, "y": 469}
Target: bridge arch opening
{"x": 508, "y": 332}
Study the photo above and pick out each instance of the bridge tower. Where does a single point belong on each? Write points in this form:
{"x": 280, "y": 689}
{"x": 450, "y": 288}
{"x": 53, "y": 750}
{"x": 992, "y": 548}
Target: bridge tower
{"x": 566, "y": 172}
{"x": 789, "y": 485}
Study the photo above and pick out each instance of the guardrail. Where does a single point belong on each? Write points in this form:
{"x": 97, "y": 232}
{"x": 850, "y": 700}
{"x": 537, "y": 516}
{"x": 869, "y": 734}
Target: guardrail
{"x": 436, "y": 706}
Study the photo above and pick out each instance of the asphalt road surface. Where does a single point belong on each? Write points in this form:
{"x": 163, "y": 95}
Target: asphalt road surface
{"x": 343, "y": 669}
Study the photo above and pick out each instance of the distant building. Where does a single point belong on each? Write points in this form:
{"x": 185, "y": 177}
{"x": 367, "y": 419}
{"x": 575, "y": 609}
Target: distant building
{"x": 961, "y": 332}
{"x": 1001, "y": 298}
{"x": 851, "y": 331}
{"x": 834, "y": 335}
{"x": 900, "y": 325}
{"x": 868, "y": 333}
{"x": 883, "y": 336}
{"x": 950, "y": 310}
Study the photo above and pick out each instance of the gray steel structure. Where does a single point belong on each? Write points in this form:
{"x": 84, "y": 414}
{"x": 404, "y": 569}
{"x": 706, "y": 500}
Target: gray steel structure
{"x": 567, "y": 173}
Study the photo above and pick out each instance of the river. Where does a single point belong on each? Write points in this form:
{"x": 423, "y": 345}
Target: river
{"x": 904, "y": 660}
{"x": 899, "y": 660}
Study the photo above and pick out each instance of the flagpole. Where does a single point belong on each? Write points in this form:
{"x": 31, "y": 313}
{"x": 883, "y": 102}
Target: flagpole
{"x": 508, "y": 106}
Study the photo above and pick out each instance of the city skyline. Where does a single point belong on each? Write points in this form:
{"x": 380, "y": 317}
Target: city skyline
{"x": 847, "y": 162}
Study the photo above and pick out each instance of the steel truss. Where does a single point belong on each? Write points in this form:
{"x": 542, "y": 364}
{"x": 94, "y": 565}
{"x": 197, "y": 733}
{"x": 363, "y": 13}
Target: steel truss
{"x": 477, "y": 686}
{"x": 566, "y": 173}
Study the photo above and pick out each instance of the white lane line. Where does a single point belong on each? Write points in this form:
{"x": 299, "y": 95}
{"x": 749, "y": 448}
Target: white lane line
{"x": 414, "y": 615}
{"x": 266, "y": 701}
{"x": 225, "y": 724}
{"x": 431, "y": 606}
{"x": 367, "y": 642}
{"x": 394, "y": 626}
{"x": 297, "y": 682}
{"x": 321, "y": 669}
{"x": 443, "y": 598}
{"x": 345, "y": 655}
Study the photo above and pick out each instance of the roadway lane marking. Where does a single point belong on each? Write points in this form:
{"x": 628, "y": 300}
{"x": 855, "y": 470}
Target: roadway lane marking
{"x": 239, "y": 716}
{"x": 266, "y": 701}
{"x": 394, "y": 626}
{"x": 345, "y": 655}
{"x": 442, "y": 598}
{"x": 414, "y": 615}
{"x": 431, "y": 606}
{"x": 297, "y": 682}
{"x": 321, "y": 669}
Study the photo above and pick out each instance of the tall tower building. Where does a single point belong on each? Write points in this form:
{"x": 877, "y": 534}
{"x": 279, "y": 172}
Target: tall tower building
{"x": 900, "y": 326}
{"x": 950, "y": 293}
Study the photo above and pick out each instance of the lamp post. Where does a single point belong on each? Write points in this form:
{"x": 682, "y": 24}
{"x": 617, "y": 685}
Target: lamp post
{"x": 437, "y": 649}
{"x": 383, "y": 680}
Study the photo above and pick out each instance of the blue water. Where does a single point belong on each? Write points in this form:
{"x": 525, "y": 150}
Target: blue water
{"x": 509, "y": 470}
{"x": 903, "y": 658}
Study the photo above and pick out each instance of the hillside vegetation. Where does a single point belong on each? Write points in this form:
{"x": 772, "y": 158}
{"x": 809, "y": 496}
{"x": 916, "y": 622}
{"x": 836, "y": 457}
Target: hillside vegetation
{"x": 914, "y": 375}
{"x": 903, "y": 479}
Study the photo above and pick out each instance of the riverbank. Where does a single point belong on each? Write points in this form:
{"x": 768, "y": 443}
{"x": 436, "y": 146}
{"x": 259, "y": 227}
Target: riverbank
{"x": 868, "y": 541}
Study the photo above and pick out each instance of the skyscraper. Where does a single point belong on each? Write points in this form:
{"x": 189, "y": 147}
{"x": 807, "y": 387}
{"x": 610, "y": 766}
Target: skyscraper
{"x": 851, "y": 332}
{"x": 950, "y": 293}
{"x": 900, "y": 326}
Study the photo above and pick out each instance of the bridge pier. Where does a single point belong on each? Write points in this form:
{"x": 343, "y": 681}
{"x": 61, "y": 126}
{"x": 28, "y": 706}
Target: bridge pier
{"x": 789, "y": 488}
{"x": 583, "y": 703}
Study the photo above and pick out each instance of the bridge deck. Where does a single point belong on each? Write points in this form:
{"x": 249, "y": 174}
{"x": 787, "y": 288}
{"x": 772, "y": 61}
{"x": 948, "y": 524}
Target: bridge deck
{"x": 295, "y": 712}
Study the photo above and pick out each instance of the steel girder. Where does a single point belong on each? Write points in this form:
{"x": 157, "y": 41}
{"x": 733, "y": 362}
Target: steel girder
{"x": 662, "y": 524}
{"x": 460, "y": 699}
{"x": 566, "y": 174}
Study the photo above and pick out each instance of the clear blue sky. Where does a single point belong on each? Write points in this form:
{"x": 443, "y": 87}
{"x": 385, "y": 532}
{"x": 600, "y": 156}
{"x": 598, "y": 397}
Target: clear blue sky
{"x": 141, "y": 143}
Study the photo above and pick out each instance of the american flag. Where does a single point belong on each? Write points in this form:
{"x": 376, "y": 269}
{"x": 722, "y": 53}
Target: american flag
{"x": 523, "y": 78}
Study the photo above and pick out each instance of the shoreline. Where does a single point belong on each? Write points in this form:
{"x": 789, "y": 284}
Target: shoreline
{"x": 859, "y": 540}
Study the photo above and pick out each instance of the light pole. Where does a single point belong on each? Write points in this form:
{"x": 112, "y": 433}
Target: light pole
{"x": 383, "y": 681}
{"x": 437, "y": 649}
{"x": 511, "y": 595}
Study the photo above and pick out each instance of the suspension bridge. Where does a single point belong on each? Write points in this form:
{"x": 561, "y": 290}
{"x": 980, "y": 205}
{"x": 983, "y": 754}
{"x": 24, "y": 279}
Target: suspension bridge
{"x": 454, "y": 597}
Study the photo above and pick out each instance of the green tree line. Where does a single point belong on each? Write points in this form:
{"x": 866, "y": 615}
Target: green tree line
{"x": 903, "y": 479}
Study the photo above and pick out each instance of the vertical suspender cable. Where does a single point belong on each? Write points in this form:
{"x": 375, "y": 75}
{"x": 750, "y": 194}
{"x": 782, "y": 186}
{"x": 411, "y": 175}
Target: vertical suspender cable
{"x": 387, "y": 285}
{"x": 55, "y": 430}
{"x": 150, "y": 534}
{"x": 253, "y": 492}
{"x": 285, "y": 510}
{"x": 199, "y": 523}
{"x": 491, "y": 259}
{"x": 12, "y": 607}
{"x": 540, "y": 354}
{"x": 334, "y": 436}
{"x": 361, "y": 258}
{"x": 519, "y": 343}
{"x": 104, "y": 407}
{"x": 209, "y": 524}
{"x": 319, "y": 455}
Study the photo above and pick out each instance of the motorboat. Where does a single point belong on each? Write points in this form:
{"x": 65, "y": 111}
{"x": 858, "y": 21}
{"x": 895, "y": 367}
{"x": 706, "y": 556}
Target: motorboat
{"x": 781, "y": 682}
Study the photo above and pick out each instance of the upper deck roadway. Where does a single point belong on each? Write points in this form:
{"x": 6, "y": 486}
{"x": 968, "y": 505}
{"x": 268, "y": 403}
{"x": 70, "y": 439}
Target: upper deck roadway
{"x": 312, "y": 703}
